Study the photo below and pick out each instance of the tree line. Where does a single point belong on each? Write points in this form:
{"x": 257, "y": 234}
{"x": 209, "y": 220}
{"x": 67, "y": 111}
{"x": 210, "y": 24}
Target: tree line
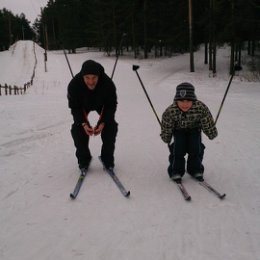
{"x": 165, "y": 27}
{"x": 13, "y": 28}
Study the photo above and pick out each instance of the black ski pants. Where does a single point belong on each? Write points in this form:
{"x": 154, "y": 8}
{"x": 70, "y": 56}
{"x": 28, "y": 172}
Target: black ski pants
{"x": 81, "y": 142}
{"x": 186, "y": 141}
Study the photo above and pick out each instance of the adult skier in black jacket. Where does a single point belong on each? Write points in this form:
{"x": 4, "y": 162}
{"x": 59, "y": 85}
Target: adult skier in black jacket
{"x": 92, "y": 90}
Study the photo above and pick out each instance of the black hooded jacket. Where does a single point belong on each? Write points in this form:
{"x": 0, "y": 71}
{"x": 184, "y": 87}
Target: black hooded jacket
{"x": 102, "y": 99}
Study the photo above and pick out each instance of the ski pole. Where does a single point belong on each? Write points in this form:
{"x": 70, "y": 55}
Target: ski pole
{"x": 68, "y": 62}
{"x": 117, "y": 53}
{"x": 135, "y": 68}
{"x": 223, "y": 100}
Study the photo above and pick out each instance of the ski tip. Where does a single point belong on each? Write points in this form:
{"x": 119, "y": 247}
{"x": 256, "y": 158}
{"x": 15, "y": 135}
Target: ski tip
{"x": 127, "y": 194}
{"x": 188, "y": 198}
{"x": 72, "y": 196}
{"x": 222, "y": 196}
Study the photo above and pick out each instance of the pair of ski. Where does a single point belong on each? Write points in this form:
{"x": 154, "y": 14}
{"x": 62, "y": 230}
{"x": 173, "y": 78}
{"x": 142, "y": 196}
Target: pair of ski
{"x": 204, "y": 184}
{"x": 126, "y": 193}
{"x": 111, "y": 173}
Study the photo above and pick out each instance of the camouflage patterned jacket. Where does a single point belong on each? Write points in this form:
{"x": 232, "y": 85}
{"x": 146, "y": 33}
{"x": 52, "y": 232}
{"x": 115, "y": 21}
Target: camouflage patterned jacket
{"x": 198, "y": 116}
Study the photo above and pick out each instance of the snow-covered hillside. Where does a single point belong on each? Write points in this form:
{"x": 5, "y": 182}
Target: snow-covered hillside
{"x": 38, "y": 168}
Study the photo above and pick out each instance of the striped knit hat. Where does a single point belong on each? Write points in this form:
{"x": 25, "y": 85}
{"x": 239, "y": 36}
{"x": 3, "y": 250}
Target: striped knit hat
{"x": 185, "y": 91}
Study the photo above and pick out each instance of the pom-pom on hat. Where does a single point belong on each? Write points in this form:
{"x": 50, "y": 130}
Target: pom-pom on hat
{"x": 185, "y": 91}
{"x": 91, "y": 67}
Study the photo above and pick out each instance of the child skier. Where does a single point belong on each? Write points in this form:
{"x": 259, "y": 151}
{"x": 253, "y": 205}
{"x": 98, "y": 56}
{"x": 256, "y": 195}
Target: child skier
{"x": 183, "y": 121}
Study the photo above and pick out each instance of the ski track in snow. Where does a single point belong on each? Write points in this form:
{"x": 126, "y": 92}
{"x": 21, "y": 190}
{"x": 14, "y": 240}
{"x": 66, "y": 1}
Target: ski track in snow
{"x": 39, "y": 169}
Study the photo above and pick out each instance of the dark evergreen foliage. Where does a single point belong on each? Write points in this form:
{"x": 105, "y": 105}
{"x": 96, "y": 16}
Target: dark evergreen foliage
{"x": 161, "y": 26}
{"x": 148, "y": 24}
{"x": 13, "y": 28}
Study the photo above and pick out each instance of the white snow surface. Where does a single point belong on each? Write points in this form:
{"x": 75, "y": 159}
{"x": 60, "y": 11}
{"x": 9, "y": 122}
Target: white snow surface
{"x": 38, "y": 167}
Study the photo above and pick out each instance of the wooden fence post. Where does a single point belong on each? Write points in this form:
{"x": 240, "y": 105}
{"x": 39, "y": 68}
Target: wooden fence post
{"x": 15, "y": 89}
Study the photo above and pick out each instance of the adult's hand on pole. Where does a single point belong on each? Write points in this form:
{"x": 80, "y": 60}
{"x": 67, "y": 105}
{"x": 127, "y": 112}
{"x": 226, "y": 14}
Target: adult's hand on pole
{"x": 98, "y": 129}
{"x": 88, "y": 129}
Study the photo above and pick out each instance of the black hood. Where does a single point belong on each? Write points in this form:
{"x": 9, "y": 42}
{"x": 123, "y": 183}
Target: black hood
{"x": 92, "y": 67}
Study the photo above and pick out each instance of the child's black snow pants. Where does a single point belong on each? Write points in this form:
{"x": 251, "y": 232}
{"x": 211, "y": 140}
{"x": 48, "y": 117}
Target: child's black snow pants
{"x": 186, "y": 141}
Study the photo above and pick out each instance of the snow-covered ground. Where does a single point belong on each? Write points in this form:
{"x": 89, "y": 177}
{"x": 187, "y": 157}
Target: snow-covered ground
{"x": 38, "y": 168}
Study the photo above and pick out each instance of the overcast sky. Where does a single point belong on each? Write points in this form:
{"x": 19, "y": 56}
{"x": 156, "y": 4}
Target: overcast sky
{"x": 31, "y": 8}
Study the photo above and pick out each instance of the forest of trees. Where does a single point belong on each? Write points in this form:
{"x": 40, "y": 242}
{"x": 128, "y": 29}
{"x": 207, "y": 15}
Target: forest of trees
{"x": 13, "y": 28}
{"x": 162, "y": 26}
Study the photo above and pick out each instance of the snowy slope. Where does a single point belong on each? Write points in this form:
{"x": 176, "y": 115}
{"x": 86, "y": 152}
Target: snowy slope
{"x": 39, "y": 170}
